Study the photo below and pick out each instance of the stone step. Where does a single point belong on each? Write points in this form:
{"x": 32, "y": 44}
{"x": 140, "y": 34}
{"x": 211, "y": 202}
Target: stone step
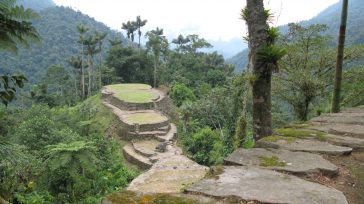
{"x": 133, "y": 157}
{"x": 171, "y": 135}
{"x": 168, "y": 175}
{"x": 265, "y": 186}
{"x": 305, "y": 145}
{"x": 297, "y": 163}
{"x": 355, "y": 143}
{"x": 145, "y": 147}
{"x": 146, "y": 135}
{"x": 165, "y": 128}
{"x": 340, "y": 118}
{"x": 348, "y": 130}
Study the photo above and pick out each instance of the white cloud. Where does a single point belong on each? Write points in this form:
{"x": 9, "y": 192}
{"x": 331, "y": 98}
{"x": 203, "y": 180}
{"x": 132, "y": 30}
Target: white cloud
{"x": 211, "y": 19}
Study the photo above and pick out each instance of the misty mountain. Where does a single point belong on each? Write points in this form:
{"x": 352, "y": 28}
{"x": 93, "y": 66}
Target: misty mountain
{"x": 331, "y": 17}
{"x": 37, "y": 4}
{"x": 59, "y": 36}
{"x": 229, "y": 48}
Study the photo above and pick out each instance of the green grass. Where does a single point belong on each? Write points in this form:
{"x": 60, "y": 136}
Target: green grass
{"x": 298, "y": 125}
{"x": 144, "y": 118}
{"x": 275, "y": 138}
{"x": 125, "y": 87}
{"x": 296, "y": 133}
{"x": 271, "y": 161}
{"x": 139, "y": 96}
{"x": 128, "y": 197}
{"x": 290, "y": 135}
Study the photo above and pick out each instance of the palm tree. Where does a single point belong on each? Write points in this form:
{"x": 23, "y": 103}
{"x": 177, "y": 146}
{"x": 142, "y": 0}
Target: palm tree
{"x": 76, "y": 63}
{"x": 82, "y": 29}
{"x": 99, "y": 37}
{"x": 139, "y": 23}
{"x": 180, "y": 41}
{"x": 91, "y": 50}
{"x": 130, "y": 28}
{"x": 158, "y": 44}
{"x": 340, "y": 58}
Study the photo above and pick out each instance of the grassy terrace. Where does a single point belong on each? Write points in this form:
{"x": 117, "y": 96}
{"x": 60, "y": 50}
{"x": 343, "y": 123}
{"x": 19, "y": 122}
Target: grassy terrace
{"x": 124, "y": 87}
{"x": 137, "y": 96}
{"x": 146, "y": 118}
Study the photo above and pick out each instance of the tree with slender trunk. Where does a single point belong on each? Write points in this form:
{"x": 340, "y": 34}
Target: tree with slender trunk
{"x": 76, "y": 63}
{"x": 157, "y": 43}
{"x": 130, "y": 28}
{"x": 263, "y": 61}
{"x": 82, "y": 29}
{"x": 139, "y": 23}
{"x": 340, "y": 59}
{"x": 99, "y": 37}
{"x": 91, "y": 50}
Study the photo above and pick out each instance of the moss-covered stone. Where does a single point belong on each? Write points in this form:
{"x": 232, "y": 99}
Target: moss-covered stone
{"x": 128, "y": 197}
{"x": 297, "y": 133}
{"x": 271, "y": 161}
{"x": 275, "y": 138}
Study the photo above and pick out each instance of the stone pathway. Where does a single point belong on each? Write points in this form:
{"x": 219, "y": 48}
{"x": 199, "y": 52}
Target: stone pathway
{"x": 269, "y": 174}
{"x": 292, "y": 155}
{"x": 152, "y": 143}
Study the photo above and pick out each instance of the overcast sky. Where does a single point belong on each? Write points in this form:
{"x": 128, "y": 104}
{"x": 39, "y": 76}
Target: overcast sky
{"x": 211, "y": 19}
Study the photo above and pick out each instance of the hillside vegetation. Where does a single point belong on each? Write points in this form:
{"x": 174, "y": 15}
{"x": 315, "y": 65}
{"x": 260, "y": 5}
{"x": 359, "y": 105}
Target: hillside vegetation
{"x": 329, "y": 17}
{"x": 57, "y": 27}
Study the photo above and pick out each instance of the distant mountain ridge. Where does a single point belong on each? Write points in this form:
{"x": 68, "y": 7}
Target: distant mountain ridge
{"x": 58, "y": 30}
{"x": 331, "y": 17}
{"x": 37, "y": 4}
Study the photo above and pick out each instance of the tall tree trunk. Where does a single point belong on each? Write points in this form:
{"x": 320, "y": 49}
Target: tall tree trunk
{"x": 100, "y": 70}
{"x": 82, "y": 74}
{"x": 155, "y": 72}
{"x": 90, "y": 64}
{"x": 257, "y": 27}
{"x": 139, "y": 33}
{"x": 340, "y": 58}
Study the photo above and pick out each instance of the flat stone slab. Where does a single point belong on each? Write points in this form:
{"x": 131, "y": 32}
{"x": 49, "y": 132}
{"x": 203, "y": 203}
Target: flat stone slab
{"x": 341, "y": 118}
{"x": 347, "y": 130}
{"x": 312, "y": 146}
{"x": 355, "y": 143}
{"x": 266, "y": 186}
{"x": 168, "y": 175}
{"x": 299, "y": 163}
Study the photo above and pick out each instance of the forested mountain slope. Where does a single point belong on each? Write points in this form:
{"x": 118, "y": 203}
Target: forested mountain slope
{"x": 330, "y": 17}
{"x": 37, "y": 4}
{"x": 57, "y": 28}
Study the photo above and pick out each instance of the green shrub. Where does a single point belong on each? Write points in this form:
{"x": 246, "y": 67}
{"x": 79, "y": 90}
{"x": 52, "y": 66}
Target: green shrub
{"x": 205, "y": 147}
{"x": 181, "y": 93}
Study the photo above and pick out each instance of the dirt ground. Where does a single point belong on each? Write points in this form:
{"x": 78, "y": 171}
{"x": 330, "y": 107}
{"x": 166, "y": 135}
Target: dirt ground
{"x": 350, "y": 179}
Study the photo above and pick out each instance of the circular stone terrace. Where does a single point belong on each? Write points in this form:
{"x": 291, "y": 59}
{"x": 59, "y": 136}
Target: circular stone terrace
{"x": 134, "y": 93}
{"x": 145, "y": 118}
